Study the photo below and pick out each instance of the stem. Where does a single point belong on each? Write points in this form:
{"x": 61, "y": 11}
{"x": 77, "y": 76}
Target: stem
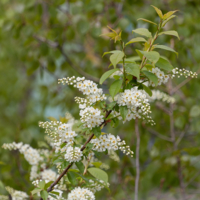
{"x": 137, "y": 158}
{"x": 151, "y": 45}
{"x": 123, "y": 64}
{"x": 69, "y": 166}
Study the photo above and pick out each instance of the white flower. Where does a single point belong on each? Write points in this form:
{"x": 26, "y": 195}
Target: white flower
{"x": 81, "y": 194}
{"x": 73, "y": 154}
{"x": 48, "y": 175}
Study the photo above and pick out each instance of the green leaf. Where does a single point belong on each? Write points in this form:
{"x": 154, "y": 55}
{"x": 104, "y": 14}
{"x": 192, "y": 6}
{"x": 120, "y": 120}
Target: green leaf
{"x": 143, "y": 31}
{"x": 116, "y": 57}
{"x": 56, "y": 193}
{"x": 173, "y": 33}
{"x": 163, "y": 24}
{"x": 80, "y": 166}
{"x": 137, "y": 39}
{"x": 146, "y": 20}
{"x": 139, "y": 54}
{"x": 99, "y": 174}
{"x": 147, "y": 90}
{"x": 36, "y": 190}
{"x": 48, "y": 184}
{"x": 114, "y": 51}
{"x": 106, "y": 75}
{"x": 97, "y": 164}
{"x": 115, "y": 87}
{"x": 159, "y": 12}
{"x": 164, "y": 64}
{"x": 97, "y": 131}
{"x": 195, "y": 111}
{"x": 44, "y": 194}
{"x": 52, "y": 195}
{"x": 71, "y": 177}
{"x": 41, "y": 184}
{"x": 151, "y": 76}
{"x": 133, "y": 69}
{"x": 167, "y": 15}
{"x": 152, "y": 56}
{"x": 123, "y": 111}
{"x": 165, "y": 48}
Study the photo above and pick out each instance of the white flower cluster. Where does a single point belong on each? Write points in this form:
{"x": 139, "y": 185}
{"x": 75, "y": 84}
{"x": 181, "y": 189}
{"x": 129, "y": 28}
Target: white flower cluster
{"x": 73, "y": 154}
{"x": 97, "y": 185}
{"x": 158, "y": 95}
{"x": 31, "y": 155}
{"x": 48, "y": 175}
{"x": 137, "y": 104}
{"x": 110, "y": 142}
{"x": 91, "y": 117}
{"x": 183, "y": 72}
{"x": 87, "y": 87}
{"x": 81, "y": 194}
{"x": 162, "y": 78}
{"x": 16, "y": 195}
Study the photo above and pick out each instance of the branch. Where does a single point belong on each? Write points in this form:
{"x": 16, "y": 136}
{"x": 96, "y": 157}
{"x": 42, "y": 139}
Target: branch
{"x": 159, "y": 135}
{"x": 69, "y": 166}
{"x": 137, "y": 158}
{"x": 163, "y": 108}
{"x": 56, "y": 45}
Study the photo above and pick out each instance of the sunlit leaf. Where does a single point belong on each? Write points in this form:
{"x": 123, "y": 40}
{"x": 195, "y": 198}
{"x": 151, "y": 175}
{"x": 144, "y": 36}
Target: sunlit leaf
{"x": 99, "y": 174}
{"x": 107, "y": 74}
{"x": 137, "y": 39}
{"x": 146, "y": 20}
{"x": 173, "y": 33}
{"x": 143, "y": 31}
{"x": 116, "y": 57}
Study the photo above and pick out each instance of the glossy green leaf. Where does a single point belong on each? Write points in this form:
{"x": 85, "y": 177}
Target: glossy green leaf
{"x": 163, "y": 24}
{"x": 97, "y": 131}
{"x": 107, "y": 74}
{"x": 152, "y": 56}
{"x": 109, "y": 52}
{"x": 44, "y": 194}
{"x": 159, "y": 12}
{"x": 146, "y": 20}
{"x": 115, "y": 87}
{"x": 35, "y": 191}
{"x": 151, "y": 77}
{"x": 165, "y": 48}
{"x": 173, "y": 33}
{"x": 99, "y": 174}
{"x": 147, "y": 90}
{"x": 116, "y": 57}
{"x": 133, "y": 69}
{"x": 72, "y": 178}
{"x": 137, "y": 39}
{"x": 164, "y": 64}
{"x": 41, "y": 184}
{"x": 123, "y": 111}
{"x": 80, "y": 166}
{"x": 168, "y": 14}
{"x": 143, "y": 31}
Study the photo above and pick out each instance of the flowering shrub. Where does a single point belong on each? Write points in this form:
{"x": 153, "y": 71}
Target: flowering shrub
{"x": 75, "y": 144}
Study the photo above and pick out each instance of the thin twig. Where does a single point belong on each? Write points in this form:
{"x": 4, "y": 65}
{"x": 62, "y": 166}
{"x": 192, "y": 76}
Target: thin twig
{"x": 159, "y": 135}
{"x": 60, "y": 48}
{"x": 69, "y": 166}
{"x": 163, "y": 108}
{"x": 137, "y": 158}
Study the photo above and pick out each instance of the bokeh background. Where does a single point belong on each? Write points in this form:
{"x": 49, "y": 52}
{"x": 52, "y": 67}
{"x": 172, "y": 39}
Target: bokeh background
{"x": 43, "y": 40}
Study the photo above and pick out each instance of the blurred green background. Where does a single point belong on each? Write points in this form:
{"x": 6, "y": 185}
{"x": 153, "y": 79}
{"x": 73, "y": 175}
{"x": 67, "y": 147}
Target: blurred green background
{"x": 43, "y": 40}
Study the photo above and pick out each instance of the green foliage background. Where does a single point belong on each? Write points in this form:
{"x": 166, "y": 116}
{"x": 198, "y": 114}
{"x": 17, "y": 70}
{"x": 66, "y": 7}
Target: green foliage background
{"x": 31, "y": 61}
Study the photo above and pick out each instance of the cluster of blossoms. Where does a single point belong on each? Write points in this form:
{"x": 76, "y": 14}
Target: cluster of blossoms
{"x": 81, "y": 194}
{"x": 137, "y": 104}
{"x": 91, "y": 117}
{"x": 97, "y": 185}
{"x": 73, "y": 154}
{"x": 162, "y": 78}
{"x": 16, "y": 195}
{"x": 110, "y": 142}
{"x": 87, "y": 87}
{"x": 158, "y": 95}
{"x": 48, "y": 175}
{"x": 183, "y": 72}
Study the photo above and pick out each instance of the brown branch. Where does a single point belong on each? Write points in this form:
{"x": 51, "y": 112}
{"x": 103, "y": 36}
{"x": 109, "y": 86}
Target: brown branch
{"x": 159, "y": 135}
{"x": 137, "y": 159}
{"x": 60, "y": 48}
{"x": 69, "y": 166}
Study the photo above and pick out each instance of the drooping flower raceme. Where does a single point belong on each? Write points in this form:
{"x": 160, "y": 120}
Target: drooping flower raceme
{"x": 81, "y": 194}
{"x": 91, "y": 117}
{"x": 137, "y": 104}
{"x": 73, "y": 154}
{"x": 183, "y": 72}
{"x": 49, "y": 175}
